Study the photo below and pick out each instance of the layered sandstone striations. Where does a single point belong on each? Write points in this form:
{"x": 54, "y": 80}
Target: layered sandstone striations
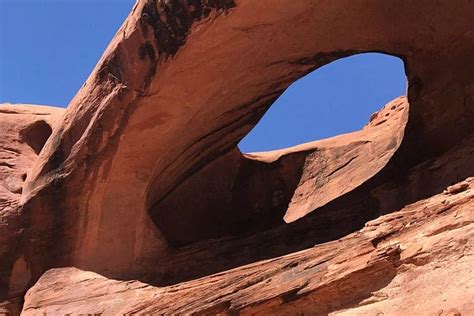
{"x": 125, "y": 186}
{"x": 389, "y": 267}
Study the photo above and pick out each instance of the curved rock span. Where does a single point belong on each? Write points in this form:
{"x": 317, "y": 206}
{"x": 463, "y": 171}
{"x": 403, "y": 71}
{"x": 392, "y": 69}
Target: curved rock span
{"x": 140, "y": 190}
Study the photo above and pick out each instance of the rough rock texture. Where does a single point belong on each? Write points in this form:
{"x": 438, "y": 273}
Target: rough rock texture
{"x": 398, "y": 264}
{"x": 253, "y": 192}
{"x": 24, "y": 129}
{"x": 159, "y": 119}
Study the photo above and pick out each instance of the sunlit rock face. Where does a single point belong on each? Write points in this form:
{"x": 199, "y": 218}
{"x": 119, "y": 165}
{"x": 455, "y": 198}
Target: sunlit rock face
{"x": 141, "y": 185}
{"x": 24, "y": 129}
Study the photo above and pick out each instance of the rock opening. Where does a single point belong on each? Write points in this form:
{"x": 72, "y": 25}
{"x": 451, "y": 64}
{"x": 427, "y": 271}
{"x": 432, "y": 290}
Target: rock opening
{"x": 36, "y": 135}
{"x": 258, "y": 192}
{"x": 334, "y": 99}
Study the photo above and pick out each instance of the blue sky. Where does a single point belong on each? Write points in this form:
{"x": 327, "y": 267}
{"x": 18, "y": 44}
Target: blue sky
{"x": 49, "y": 47}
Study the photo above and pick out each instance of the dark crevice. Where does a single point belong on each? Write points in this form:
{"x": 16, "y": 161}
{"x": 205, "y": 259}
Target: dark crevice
{"x": 253, "y": 197}
{"x": 337, "y": 219}
{"x": 36, "y": 135}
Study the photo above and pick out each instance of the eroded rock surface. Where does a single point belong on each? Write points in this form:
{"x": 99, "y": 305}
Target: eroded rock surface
{"x": 147, "y": 119}
{"x": 243, "y": 193}
{"x": 160, "y": 117}
{"x": 390, "y": 266}
{"x": 24, "y": 129}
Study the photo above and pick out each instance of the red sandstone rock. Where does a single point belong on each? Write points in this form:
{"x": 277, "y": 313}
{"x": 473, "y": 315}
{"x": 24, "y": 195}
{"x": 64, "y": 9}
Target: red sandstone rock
{"x": 416, "y": 261}
{"x": 153, "y": 95}
{"x": 253, "y": 192}
{"x": 23, "y": 131}
{"x": 124, "y": 187}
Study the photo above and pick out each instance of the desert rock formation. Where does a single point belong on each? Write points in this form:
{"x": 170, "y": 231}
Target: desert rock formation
{"x": 253, "y": 192}
{"x": 24, "y": 131}
{"x": 385, "y": 268}
{"x": 140, "y": 191}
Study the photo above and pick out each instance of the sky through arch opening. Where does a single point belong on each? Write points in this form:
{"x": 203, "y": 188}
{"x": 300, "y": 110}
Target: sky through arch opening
{"x": 335, "y": 99}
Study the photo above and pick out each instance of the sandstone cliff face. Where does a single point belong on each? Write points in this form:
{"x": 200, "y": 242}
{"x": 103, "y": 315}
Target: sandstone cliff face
{"x": 142, "y": 181}
{"x": 24, "y": 129}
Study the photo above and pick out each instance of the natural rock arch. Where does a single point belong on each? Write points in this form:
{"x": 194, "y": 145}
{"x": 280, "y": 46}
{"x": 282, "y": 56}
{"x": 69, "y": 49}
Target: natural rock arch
{"x": 147, "y": 119}
{"x": 237, "y": 193}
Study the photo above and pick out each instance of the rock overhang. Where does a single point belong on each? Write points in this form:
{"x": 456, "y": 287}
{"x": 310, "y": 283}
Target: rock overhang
{"x": 131, "y": 104}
